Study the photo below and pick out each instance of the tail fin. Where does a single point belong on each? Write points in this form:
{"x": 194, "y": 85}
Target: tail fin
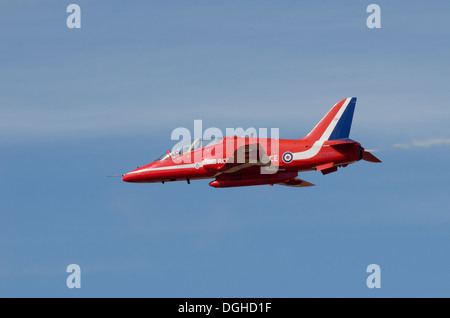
{"x": 337, "y": 122}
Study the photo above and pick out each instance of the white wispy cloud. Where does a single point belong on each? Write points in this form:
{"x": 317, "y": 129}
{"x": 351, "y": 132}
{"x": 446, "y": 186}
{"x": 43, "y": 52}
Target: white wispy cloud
{"x": 425, "y": 143}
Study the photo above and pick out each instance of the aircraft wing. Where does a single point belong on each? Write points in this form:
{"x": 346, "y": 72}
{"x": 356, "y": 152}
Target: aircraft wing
{"x": 247, "y": 159}
{"x": 296, "y": 182}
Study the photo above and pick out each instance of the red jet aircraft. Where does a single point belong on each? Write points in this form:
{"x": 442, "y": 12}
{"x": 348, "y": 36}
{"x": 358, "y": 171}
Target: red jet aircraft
{"x": 243, "y": 161}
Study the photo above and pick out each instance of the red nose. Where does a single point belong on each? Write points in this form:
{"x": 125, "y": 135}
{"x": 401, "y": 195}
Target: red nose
{"x": 129, "y": 177}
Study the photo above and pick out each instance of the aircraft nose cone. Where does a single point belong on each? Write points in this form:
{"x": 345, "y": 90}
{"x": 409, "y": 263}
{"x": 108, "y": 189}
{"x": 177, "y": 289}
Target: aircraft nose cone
{"x": 127, "y": 178}
{"x": 138, "y": 175}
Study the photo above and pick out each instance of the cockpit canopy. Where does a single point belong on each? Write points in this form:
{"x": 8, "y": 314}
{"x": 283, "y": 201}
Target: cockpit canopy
{"x": 188, "y": 147}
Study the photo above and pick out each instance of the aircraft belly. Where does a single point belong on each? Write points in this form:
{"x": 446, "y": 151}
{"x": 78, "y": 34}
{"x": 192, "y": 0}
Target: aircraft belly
{"x": 179, "y": 174}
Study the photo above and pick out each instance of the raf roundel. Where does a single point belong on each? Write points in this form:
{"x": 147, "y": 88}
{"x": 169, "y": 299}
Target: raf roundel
{"x": 287, "y": 157}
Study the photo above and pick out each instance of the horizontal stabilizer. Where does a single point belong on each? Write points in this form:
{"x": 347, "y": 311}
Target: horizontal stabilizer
{"x": 296, "y": 182}
{"x": 367, "y": 156}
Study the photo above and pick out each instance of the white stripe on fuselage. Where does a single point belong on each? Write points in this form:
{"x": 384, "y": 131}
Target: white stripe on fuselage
{"x": 311, "y": 152}
{"x": 186, "y": 166}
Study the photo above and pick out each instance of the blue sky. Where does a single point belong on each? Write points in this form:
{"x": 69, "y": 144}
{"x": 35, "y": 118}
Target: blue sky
{"x": 79, "y": 105}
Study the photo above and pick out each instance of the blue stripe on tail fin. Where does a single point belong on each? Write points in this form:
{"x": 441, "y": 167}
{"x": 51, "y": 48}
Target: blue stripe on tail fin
{"x": 342, "y": 129}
